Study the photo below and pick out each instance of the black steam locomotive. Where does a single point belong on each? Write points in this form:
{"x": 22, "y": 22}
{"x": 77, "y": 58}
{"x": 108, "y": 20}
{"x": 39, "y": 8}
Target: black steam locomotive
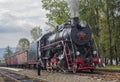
{"x": 69, "y": 48}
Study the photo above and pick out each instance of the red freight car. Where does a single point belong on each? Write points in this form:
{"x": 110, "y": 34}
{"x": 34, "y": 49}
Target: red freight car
{"x": 22, "y": 58}
{"x": 11, "y": 60}
{"x": 14, "y": 60}
{"x": 17, "y": 59}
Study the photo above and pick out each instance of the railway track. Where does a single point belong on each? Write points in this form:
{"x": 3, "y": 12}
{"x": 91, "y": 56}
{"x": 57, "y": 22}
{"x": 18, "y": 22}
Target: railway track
{"x": 97, "y": 75}
{"x": 13, "y": 77}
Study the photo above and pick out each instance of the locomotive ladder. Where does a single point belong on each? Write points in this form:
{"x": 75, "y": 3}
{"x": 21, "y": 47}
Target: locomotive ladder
{"x": 68, "y": 57}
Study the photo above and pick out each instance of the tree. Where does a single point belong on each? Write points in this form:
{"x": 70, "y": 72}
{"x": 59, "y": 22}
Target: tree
{"x": 36, "y": 32}
{"x": 58, "y": 10}
{"x": 22, "y": 45}
{"x": 109, "y": 22}
{"x": 8, "y": 52}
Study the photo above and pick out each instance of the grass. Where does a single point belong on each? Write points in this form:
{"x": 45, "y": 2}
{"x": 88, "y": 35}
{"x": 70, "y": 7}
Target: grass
{"x": 111, "y": 67}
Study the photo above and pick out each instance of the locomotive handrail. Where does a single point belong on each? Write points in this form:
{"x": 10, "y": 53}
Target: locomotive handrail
{"x": 52, "y": 44}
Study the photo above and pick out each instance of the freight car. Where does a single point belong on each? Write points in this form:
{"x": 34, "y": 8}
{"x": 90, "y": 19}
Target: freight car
{"x": 18, "y": 59}
{"x": 24, "y": 59}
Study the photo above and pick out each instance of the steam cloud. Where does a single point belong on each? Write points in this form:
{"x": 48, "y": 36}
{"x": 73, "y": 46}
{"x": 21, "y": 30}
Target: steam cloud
{"x": 74, "y": 8}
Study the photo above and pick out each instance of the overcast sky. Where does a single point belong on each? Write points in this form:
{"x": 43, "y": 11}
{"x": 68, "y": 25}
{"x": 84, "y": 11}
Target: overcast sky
{"x": 17, "y": 18}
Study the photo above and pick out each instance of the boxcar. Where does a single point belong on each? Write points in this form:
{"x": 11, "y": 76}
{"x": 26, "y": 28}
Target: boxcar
{"x": 21, "y": 58}
{"x": 17, "y": 59}
{"x": 14, "y": 60}
{"x": 27, "y": 57}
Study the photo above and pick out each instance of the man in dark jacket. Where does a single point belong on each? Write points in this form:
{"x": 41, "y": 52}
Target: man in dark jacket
{"x": 40, "y": 65}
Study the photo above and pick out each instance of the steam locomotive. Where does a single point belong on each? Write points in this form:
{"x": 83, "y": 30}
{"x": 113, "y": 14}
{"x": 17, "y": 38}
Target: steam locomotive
{"x": 69, "y": 48}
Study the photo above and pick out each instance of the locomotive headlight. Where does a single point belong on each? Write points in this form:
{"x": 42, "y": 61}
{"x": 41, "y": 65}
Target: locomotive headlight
{"x": 61, "y": 56}
{"x": 83, "y": 24}
{"x": 94, "y": 52}
{"x": 77, "y": 53}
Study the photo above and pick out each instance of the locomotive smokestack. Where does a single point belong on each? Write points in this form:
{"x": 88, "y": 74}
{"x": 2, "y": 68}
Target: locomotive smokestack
{"x": 74, "y": 11}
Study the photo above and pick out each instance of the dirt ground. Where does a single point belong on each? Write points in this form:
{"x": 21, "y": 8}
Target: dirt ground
{"x": 1, "y": 79}
{"x": 61, "y": 77}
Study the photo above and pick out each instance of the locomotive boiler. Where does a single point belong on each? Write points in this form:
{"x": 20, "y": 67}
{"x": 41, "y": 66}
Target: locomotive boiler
{"x": 80, "y": 34}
